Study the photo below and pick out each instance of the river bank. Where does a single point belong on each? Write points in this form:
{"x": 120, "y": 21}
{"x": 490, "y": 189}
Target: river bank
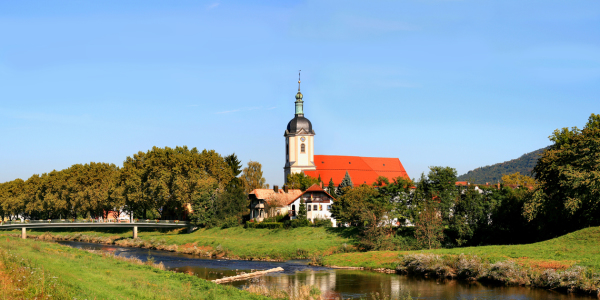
{"x": 51, "y": 271}
{"x": 570, "y": 263}
{"x": 232, "y": 243}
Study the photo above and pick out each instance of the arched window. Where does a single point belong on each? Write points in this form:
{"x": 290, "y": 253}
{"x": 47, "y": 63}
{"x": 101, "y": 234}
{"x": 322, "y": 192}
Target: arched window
{"x": 293, "y": 207}
{"x": 302, "y": 148}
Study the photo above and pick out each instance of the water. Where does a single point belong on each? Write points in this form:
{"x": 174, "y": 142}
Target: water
{"x": 346, "y": 284}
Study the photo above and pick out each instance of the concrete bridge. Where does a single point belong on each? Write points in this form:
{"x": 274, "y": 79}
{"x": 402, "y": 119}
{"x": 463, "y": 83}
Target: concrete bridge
{"x": 91, "y": 224}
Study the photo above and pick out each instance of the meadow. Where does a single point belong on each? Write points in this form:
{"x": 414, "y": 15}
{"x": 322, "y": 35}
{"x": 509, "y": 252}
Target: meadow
{"x": 581, "y": 248}
{"x": 234, "y": 243}
{"x": 33, "y": 269}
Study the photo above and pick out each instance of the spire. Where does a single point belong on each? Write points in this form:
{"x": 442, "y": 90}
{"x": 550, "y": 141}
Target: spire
{"x": 299, "y": 102}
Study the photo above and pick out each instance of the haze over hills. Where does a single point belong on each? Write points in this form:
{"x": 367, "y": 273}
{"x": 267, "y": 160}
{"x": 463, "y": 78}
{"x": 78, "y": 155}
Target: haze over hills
{"x": 494, "y": 173}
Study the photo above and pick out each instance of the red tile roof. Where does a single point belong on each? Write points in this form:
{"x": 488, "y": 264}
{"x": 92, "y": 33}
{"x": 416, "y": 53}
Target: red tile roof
{"x": 312, "y": 188}
{"x": 361, "y": 169}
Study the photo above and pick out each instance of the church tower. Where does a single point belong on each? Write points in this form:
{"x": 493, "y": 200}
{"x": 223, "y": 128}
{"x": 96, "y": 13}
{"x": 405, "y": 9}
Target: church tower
{"x": 299, "y": 141}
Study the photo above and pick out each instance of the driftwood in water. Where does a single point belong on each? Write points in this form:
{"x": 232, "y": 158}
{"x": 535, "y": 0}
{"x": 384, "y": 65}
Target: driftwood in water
{"x": 246, "y": 276}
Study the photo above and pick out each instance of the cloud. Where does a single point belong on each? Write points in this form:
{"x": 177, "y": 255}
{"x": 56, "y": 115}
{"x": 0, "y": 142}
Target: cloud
{"x": 214, "y": 5}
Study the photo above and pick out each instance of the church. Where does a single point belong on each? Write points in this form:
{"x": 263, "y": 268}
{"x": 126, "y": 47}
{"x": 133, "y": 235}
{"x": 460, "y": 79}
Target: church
{"x": 300, "y": 156}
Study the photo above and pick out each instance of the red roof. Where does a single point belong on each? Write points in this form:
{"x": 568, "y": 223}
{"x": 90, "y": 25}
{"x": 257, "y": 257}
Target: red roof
{"x": 312, "y": 188}
{"x": 361, "y": 169}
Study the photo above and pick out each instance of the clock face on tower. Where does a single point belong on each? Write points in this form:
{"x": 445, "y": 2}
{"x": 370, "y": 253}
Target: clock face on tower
{"x": 302, "y": 139}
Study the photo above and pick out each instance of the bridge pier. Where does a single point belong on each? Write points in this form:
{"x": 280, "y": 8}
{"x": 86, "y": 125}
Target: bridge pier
{"x": 135, "y": 232}
{"x": 24, "y": 233}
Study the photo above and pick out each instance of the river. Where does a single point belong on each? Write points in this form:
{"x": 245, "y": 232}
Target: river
{"x": 335, "y": 283}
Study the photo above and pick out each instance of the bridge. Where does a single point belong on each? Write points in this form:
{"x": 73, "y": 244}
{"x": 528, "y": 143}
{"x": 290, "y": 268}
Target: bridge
{"x": 58, "y": 223}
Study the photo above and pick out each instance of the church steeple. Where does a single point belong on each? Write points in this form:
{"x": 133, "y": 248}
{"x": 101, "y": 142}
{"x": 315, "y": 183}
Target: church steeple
{"x": 299, "y": 102}
{"x": 299, "y": 138}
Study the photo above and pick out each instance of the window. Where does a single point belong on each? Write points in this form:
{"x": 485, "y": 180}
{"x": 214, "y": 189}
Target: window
{"x": 315, "y": 207}
{"x": 308, "y": 206}
{"x": 293, "y": 207}
{"x": 302, "y": 148}
{"x": 328, "y": 207}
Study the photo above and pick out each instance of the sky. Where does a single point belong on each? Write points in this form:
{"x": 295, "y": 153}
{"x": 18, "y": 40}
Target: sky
{"x": 463, "y": 84}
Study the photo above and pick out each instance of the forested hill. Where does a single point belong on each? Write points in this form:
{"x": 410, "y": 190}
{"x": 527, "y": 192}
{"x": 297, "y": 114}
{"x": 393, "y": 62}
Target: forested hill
{"x": 493, "y": 173}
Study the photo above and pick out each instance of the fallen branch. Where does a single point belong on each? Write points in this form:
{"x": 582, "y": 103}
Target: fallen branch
{"x": 246, "y": 276}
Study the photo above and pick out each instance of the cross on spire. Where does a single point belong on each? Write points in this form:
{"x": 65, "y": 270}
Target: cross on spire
{"x": 299, "y": 80}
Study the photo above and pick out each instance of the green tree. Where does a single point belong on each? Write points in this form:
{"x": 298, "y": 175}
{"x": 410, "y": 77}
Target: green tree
{"x": 300, "y": 181}
{"x": 567, "y": 197}
{"x": 429, "y": 230}
{"x": 331, "y": 188}
{"x": 354, "y": 204}
{"x": 252, "y": 176}
{"x": 302, "y": 210}
{"x": 345, "y": 184}
{"x": 439, "y": 186}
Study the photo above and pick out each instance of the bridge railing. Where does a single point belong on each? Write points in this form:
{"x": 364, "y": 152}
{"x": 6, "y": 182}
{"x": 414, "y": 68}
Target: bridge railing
{"x": 60, "y": 221}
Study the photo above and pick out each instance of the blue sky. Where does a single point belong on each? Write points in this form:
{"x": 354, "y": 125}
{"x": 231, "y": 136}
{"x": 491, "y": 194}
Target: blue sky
{"x": 435, "y": 83}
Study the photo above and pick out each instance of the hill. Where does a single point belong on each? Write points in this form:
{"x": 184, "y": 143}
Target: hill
{"x": 493, "y": 173}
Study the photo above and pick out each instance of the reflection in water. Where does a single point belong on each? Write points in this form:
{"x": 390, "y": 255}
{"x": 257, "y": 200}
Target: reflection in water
{"x": 335, "y": 283}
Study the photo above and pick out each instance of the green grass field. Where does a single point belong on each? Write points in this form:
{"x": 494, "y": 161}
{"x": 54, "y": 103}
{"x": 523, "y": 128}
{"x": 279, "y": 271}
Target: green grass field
{"x": 581, "y": 248}
{"x": 277, "y": 244}
{"x": 53, "y": 271}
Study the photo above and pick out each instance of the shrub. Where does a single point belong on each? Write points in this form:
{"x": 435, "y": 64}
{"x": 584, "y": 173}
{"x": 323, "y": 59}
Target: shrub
{"x": 322, "y": 223}
{"x": 231, "y": 222}
{"x": 269, "y": 225}
{"x": 296, "y": 223}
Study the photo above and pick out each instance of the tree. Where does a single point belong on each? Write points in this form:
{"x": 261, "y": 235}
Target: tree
{"x": 567, "y": 197}
{"x": 439, "y": 186}
{"x": 252, "y": 176}
{"x": 519, "y": 180}
{"x": 302, "y": 210}
{"x": 345, "y": 184}
{"x": 429, "y": 228}
{"x": 235, "y": 165}
{"x": 348, "y": 208}
{"x": 300, "y": 181}
{"x": 331, "y": 188}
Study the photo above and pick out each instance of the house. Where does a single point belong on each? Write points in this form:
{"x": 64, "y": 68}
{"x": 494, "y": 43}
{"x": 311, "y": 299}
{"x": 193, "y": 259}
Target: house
{"x": 318, "y": 204}
{"x": 265, "y": 203}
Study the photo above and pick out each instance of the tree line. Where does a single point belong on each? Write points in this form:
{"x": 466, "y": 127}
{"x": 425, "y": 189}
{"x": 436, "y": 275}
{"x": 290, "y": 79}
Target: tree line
{"x": 434, "y": 212}
{"x": 162, "y": 183}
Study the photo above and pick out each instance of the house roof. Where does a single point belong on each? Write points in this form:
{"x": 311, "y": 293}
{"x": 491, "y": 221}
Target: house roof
{"x": 280, "y": 198}
{"x": 361, "y": 169}
{"x": 312, "y": 188}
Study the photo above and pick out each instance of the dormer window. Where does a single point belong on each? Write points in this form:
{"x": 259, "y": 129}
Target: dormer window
{"x": 302, "y": 148}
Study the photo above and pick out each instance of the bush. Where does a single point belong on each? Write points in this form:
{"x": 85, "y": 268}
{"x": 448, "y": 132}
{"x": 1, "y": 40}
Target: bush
{"x": 269, "y": 225}
{"x": 296, "y": 223}
{"x": 230, "y": 222}
{"x": 322, "y": 223}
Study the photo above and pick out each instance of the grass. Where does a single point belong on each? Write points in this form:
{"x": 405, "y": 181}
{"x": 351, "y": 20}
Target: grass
{"x": 235, "y": 243}
{"x": 581, "y": 248}
{"x": 43, "y": 270}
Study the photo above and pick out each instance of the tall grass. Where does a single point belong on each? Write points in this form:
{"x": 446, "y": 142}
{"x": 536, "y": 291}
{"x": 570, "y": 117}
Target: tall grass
{"x": 53, "y": 271}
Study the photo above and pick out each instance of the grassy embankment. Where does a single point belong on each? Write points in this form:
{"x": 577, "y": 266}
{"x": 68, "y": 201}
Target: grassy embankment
{"x": 32, "y": 269}
{"x": 568, "y": 263}
{"x": 234, "y": 243}
{"x": 581, "y": 248}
